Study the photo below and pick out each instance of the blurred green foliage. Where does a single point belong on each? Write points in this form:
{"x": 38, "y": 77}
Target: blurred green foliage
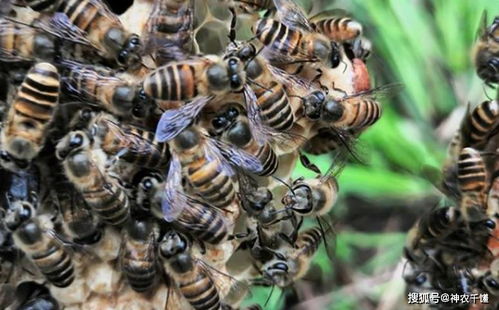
{"x": 425, "y": 45}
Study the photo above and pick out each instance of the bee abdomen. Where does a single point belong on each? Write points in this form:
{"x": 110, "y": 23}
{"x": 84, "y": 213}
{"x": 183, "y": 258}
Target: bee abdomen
{"x": 140, "y": 274}
{"x": 269, "y": 160}
{"x": 339, "y": 28}
{"x": 111, "y": 204}
{"x": 172, "y": 82}
{"x": 55, "y": 264}
{"x": 275, "y": 108}
{"x": 39, "y": 93}
{"x": 201, "y": 293}
{"x": 310, "y": 240}
{"x": 216, "y": 229}
{"x": 472, "y": 176}
{"x": 482, "y": 120}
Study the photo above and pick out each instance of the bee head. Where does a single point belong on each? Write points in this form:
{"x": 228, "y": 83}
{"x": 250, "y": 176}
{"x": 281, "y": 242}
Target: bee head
{"x": 278, "y": 272}
{"x": 174, "y": 247}
{"x": 11, "y": 163}
{"x": 72, "y": 142}
{"x": 18, "y": 214}
{"x": 313, "y": 103}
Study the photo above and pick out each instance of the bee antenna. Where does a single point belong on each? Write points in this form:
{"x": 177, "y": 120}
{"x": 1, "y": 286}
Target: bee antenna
{"x": 270, "y": 295}
{"x": 284, "y": 183}
{"x": 339, "y": 90}
{"x": 233, "y": 22}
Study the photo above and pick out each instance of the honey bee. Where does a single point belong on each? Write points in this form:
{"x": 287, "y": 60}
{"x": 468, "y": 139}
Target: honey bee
{"x": 357, "y": 111}
{"x": 201, "y": 76}
{"x": 200, "y": 220}
{"x": 31, "y": 295}
{"x": 285, "y": 268}
{"x": 99, "y": 86}
{"x": 25, "y": 126}
{"x": 291, "y": 38}
{"x": 312, "y": 197}
{"x": 472, "y": 181}
{"x": 486, "y": 52}
{"x": 48, "y": 254}
{"x": 234, "y": 128}
{"x": 24, "y": 43}
{"x": 479, "y": 125}
{"x": 138, "y": 255}
{"x": 84, "y": 167}
{"x": 336, "y": 25}
{"x": 325, "y": 141}
{"x": 78, "y": 220}
{"x": 272, "y": 101}
{"x": 194, "y": 278}
{"x": 206, "y": 166}
{"x": 93, "y": 22}
{"x": 127, "y": 142}
{"x": 490, "y": 280}
{"x": 169, "y": 30}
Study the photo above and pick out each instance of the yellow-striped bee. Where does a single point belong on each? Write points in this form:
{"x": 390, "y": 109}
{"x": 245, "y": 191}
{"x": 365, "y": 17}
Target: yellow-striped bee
{"x": 291, "y": 264}
{"x": 268, "y": 83}
{"x": 290, "y": 38}
{"x": 206, "y": 165}
{"x": 478, "y": 126}
{"x": 169, "y": 30}
{"x": 91, "y": 21}
{"x": 201, "y": 76}
{"x": 138, "y": 255}
{"x": 100, "y": 86}
{"x": 234, "y": 128}
{"x": 24, "y": 43}
{"x": 48, "y": 254}
{"x": 486, "y": 52}
{"x": 336, "y": 25}
{"x": 200, "y": 220}
{"x": 25, "y": 127}
{"x": 85, "y": 168}
{"x": 357, "y": 111}
{"x": 195, "y": 279}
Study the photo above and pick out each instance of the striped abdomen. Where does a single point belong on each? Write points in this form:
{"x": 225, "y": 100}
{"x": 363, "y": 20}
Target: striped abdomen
{"x": 482, "y": 121}
{"x": 265, "y": 154}
{"x": 275, "y": 109}
{"x": 339, "y": 28}
{"x": 278, "y": 37}
{"x": 323, "y": 142}
{"x": 203, "y": 222}
{"x": 139, "y": 264}
{"x": 210, "y": 182}
{"x": 140, "y": 146}
{"x": 471, "y": 175}
{"x": 38, "y": 94}
{"x": 308, "y": 241}
{"x": 199, "y": 289}
{"x": 94, "y": 18}
{"x": 172, "y": 82}
{"x": 51, "y": 258}
{"x": 359, "y": 114}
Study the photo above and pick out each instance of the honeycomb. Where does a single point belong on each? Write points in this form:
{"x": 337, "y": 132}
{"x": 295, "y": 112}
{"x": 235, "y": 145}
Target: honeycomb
{"x": 100, "y": 280}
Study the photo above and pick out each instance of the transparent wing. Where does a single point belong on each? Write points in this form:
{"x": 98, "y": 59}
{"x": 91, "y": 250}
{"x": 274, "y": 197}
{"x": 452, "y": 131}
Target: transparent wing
{"x": 10, "y": 27}
{"x": 255, "y": 121}
{"x": 174, "y": 121}
{"x": 328, "y": 14}
{"x": 238, "y": 158}
{"x": 381, "y": 92}
{"x": 173, "y": 200}
{"x": 292, "y": 15}
{"x": 60, "y": 26}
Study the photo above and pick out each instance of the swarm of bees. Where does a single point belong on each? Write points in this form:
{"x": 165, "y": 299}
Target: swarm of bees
{"x": 140, "y": 171}
{"x": 454, "y": 248}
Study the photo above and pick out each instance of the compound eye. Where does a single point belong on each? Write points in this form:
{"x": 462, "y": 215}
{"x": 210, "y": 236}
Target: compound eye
{"x": 25, "y": 213}
{"x": 281, "y": 266}
{"x": 219, "y": 122}
{"x": 420, "y": 279}
{"x": 134, "y": 41}
{"x": 233, "y": 62}
{"x": 147, "y": 184}
{"x": 246, "y": 53}
{"x": 232, "y": 113}
{"x": 5, "y": 156}
{"x": 490, "y": 224}
{"x": 492, "y": 283}
{"x": 122, "y": 57}
{"x": 76, "y": 140}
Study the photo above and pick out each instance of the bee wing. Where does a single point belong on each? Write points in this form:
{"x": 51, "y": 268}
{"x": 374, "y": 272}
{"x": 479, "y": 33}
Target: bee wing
{"x": 173, "y": 200}
{"x": 328, "y": 14}
{"x": 236, "y": 157}
{"x": 290, "y": 80}
{"x": 377, "y": 93}
{"x": 292, "y": 15}
{"x": 255, "y": 121}
{"x": 222, "y": 280}
{"x": 61, "y": 27}
{"x": 7, "y": 29}
{"x": 174, "y": 121}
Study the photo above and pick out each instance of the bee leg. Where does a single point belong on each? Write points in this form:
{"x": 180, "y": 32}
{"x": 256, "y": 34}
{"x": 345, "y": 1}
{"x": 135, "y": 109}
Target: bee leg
{"x": 233, "y": 22}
